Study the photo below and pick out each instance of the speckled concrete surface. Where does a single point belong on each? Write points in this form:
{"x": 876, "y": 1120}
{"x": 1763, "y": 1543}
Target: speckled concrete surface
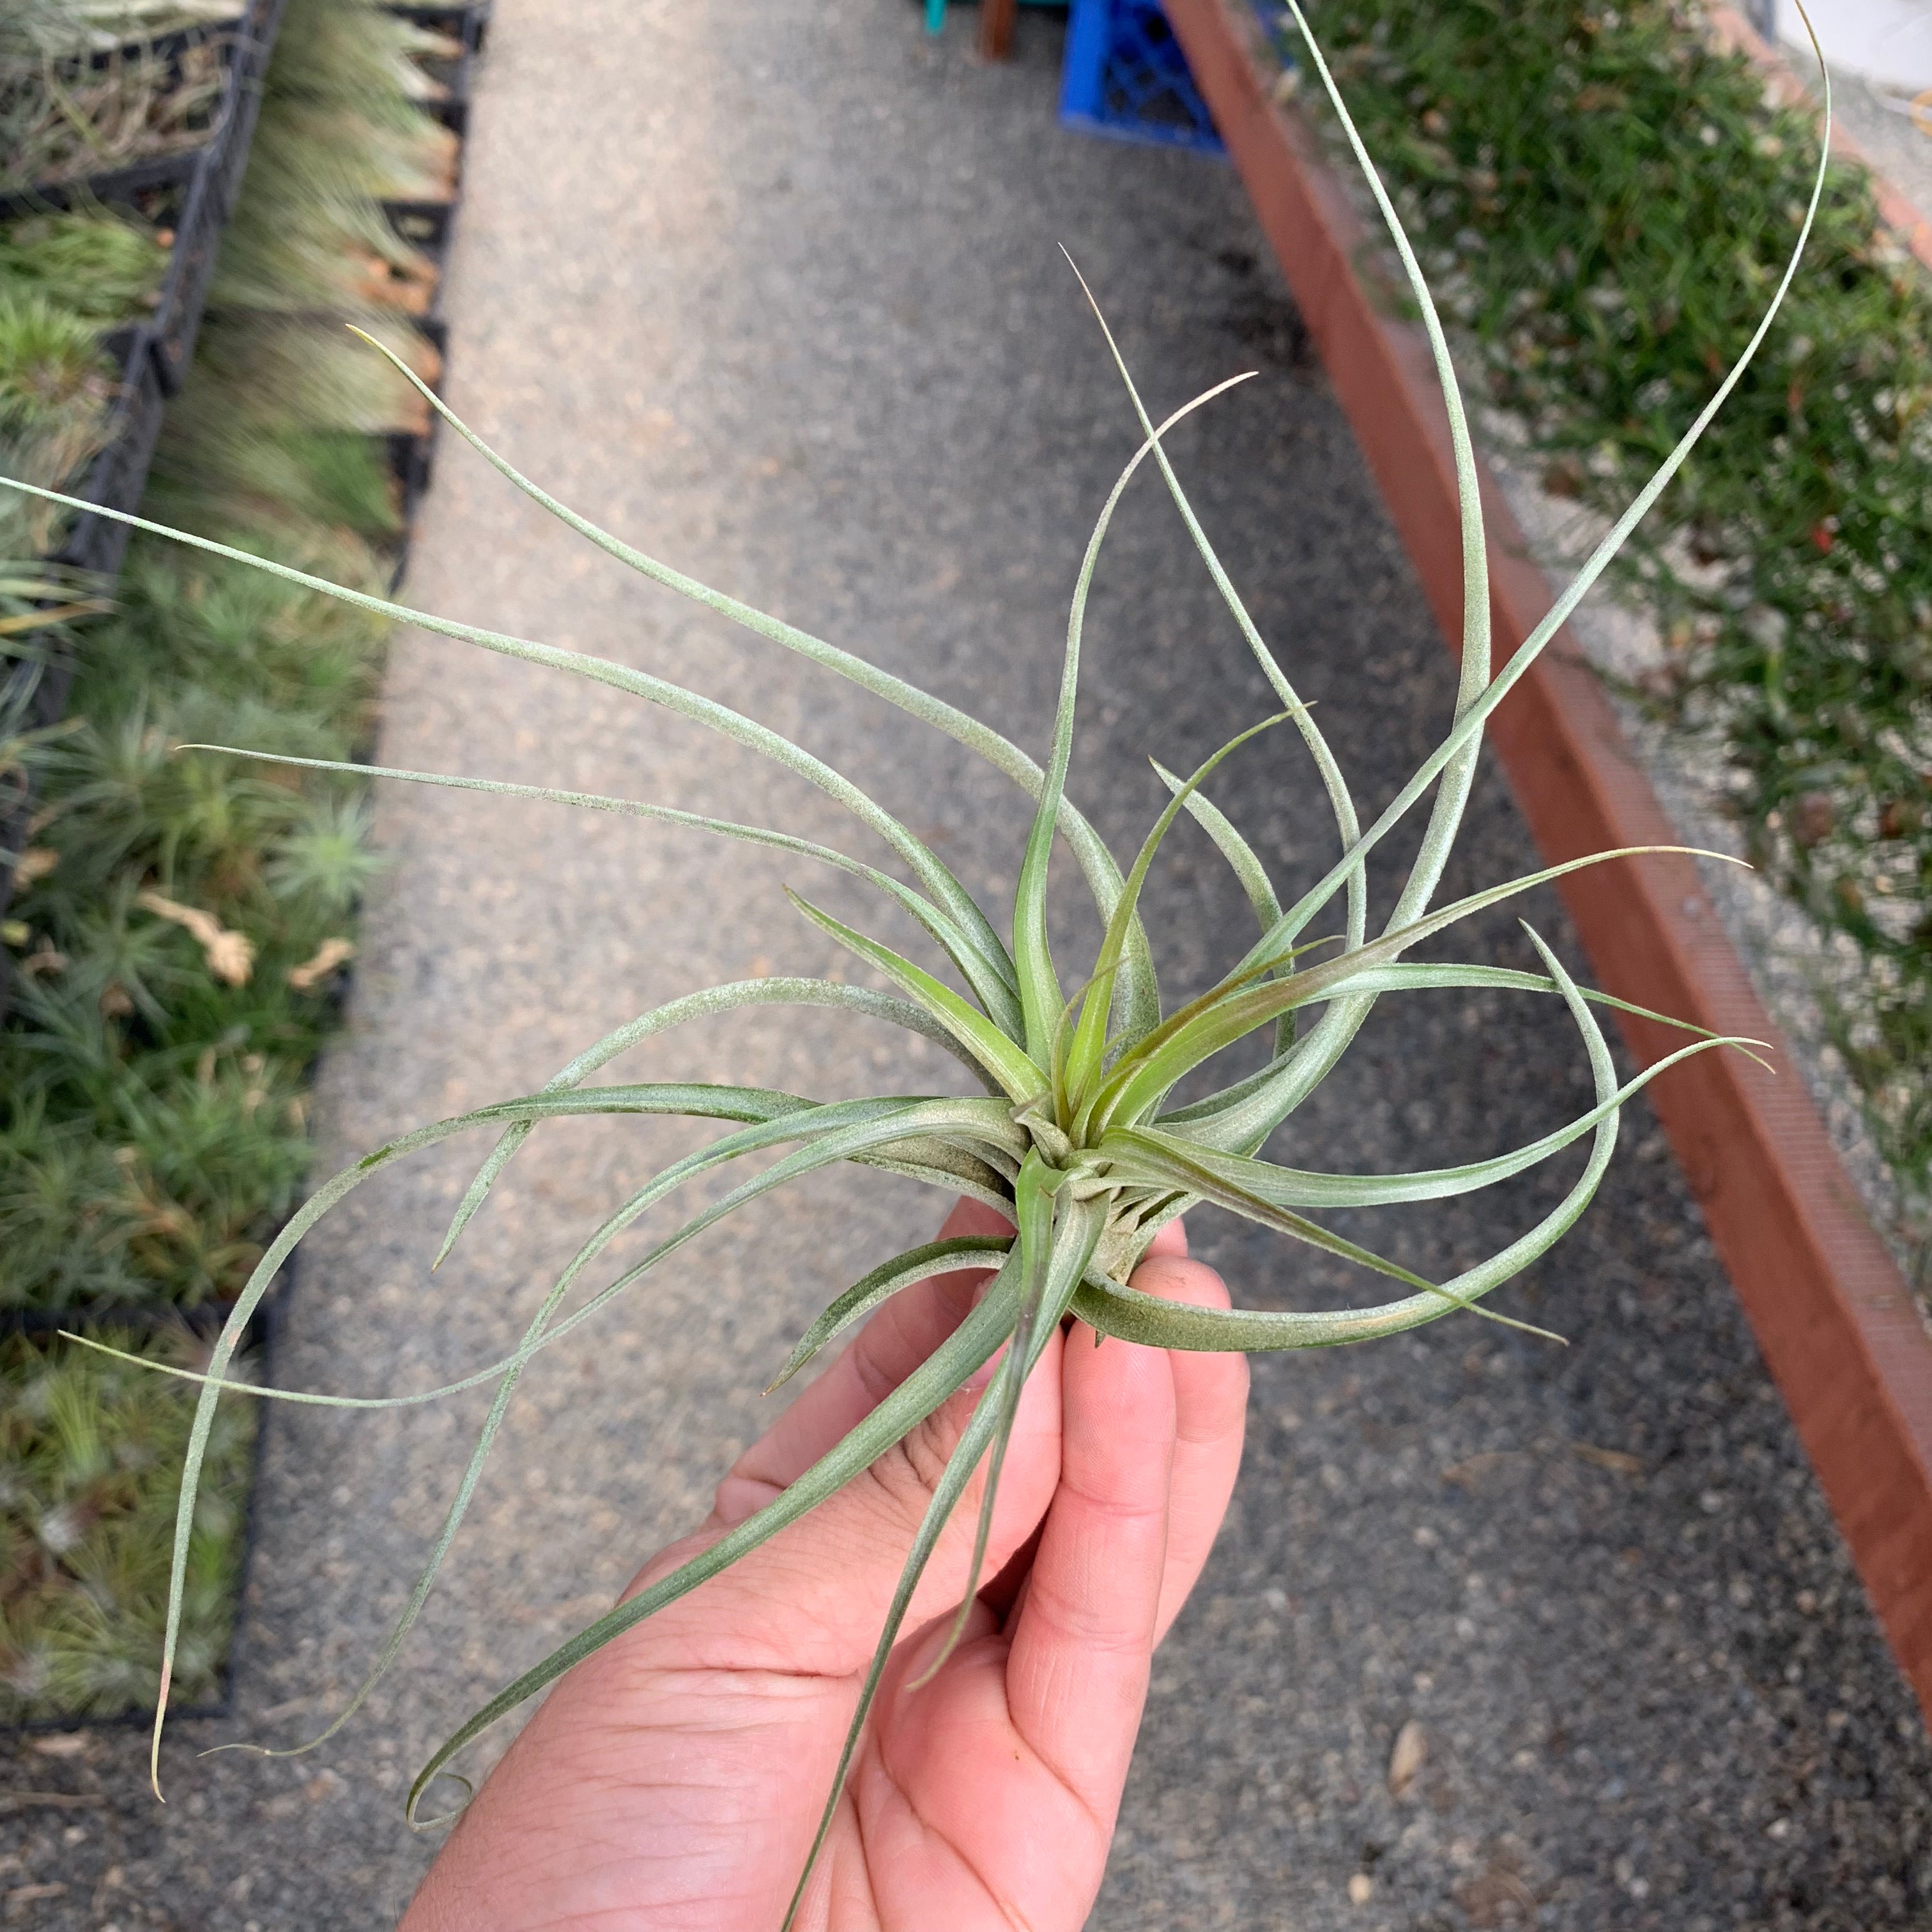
{"x": 776, "y": 290}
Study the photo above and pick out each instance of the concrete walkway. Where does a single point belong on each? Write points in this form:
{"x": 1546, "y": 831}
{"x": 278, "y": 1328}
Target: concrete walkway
{"x": 776, "y": 290}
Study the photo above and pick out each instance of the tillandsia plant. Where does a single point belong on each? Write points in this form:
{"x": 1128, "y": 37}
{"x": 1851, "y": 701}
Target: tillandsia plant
{"x": 86, "y": 1509}
{"x": 104, "y": 265}
{"x": 63, "y": 120}
{"x": 56, "y": 394}
{"x": 1075, "y": 1138}
{"x": 61, "y": 28}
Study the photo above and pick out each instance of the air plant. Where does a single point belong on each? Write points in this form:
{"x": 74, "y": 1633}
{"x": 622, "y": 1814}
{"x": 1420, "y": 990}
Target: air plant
{"x": 58, "y": 29}
{"x": 103, "y": 264}
{"x": 62, "y": 120}
{"x": 1074, "y": 1138}
{"x": 86, "y": 1504}
{"x": 56, "y": 389}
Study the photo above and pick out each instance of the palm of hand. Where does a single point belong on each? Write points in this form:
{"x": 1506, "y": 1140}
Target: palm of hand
{"x": 675, "y": 1779}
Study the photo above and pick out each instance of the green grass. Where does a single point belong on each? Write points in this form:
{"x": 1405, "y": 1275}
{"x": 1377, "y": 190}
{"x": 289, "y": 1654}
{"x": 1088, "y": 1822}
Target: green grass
{"x": 65, "y": 280}
{"x": 89, "y": 1452}
{"x": 1605, "y": 204}
{"x": 162, "y": 938}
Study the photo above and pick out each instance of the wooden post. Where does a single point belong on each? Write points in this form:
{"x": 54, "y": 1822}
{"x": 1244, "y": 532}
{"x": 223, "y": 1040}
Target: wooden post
{"x": 996, "y": 27}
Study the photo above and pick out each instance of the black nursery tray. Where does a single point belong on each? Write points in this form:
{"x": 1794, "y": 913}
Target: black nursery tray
{"x": 175, "y": 164}
{"x": 464, "y": 26}
{"x": 255, "y": 46}
{"x": 96, "y": 544}
{"x": 469, "y": 24}
{"x": 209, "y": 200}
{"x": 176, "y": 321}
{"x": 170, "y": 45}
{"x": 427, "y": 227}
{"x": 192, "y": 192}
{"x": 121, "y": 185}
{"x": 411, "y": 457}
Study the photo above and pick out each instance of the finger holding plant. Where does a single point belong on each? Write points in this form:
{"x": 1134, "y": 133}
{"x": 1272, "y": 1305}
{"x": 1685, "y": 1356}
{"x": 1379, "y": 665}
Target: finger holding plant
{"x": 1076, "y": 1139}
{"x": 676, "y": 1776}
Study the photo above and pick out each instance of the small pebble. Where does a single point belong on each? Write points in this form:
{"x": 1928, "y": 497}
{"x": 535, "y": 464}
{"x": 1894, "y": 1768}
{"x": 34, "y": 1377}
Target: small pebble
{"x": 1410, "y": 1754}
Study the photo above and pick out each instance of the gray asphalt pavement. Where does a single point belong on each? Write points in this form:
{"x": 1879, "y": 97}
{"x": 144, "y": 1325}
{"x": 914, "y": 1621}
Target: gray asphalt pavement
{"x": 776, "y": 291}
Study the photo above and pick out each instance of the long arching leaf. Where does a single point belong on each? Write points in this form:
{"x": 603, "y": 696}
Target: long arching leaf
{"x": 937, "y": 1377}
{"x": 1111, "y": 1308}
{"x": 1102, "y": 876}
{"x": 713, "y": 1000}
{"x": 989, "y": 979}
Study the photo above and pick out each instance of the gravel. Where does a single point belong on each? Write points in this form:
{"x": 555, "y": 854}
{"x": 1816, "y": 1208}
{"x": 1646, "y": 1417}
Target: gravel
{"x": 776, "y": 291}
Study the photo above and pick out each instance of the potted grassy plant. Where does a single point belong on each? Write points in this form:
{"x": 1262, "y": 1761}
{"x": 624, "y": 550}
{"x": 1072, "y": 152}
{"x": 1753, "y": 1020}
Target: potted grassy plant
{"x": 1074, "y": 1138}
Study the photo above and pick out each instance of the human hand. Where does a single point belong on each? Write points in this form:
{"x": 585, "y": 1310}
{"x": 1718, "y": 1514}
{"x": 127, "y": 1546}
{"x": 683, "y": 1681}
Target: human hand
{"x": 674, "y": 1781}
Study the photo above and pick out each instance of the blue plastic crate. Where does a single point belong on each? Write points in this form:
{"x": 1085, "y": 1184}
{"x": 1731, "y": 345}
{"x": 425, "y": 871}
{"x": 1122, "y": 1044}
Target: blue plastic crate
{"x": 1125, "y": 76}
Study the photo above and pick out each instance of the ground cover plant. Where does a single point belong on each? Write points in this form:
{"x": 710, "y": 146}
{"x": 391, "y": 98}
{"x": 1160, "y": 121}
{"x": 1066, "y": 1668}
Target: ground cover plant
{"x": 61, "y": 28}
{"x": 1074, "y": 1136}
{"x": 164, "y": 937}
{"x": 66, "y": 280}
{"x": 1605, "y": 201}
{"x": 340, "y": 133}
{"x": 40, "y": 603}
{"x": 174, "y": 937}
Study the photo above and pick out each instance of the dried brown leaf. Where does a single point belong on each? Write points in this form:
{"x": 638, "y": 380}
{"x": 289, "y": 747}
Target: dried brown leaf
{"x": 230, "y": 955}
{"x": 329, "y": 955}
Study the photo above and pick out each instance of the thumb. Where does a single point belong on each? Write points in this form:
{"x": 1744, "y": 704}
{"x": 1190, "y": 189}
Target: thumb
{"x": 813, "y": 1599}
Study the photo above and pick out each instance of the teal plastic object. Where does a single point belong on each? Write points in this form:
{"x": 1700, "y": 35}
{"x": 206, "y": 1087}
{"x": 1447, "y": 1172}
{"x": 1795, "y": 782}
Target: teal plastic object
{"x": 935, "y": 11}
